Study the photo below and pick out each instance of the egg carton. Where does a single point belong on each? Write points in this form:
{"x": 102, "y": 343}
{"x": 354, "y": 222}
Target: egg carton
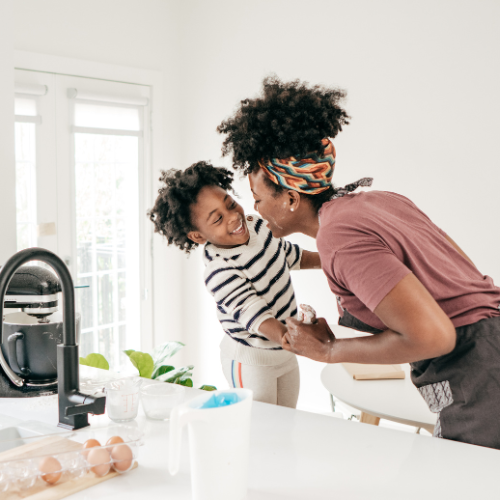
{"x": 29, "y": 462}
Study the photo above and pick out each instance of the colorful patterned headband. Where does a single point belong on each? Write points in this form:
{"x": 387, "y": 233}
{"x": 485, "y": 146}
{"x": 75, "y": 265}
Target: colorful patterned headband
{"x": 311, "y": 174}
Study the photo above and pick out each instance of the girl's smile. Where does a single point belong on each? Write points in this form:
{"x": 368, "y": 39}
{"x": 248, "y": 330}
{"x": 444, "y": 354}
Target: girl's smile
{"x": 218, "y": 219}
{"x": 241, "y": 229}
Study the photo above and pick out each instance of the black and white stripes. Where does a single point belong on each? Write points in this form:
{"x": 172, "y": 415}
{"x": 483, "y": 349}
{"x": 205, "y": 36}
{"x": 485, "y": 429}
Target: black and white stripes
{"x": 251, "y": 283}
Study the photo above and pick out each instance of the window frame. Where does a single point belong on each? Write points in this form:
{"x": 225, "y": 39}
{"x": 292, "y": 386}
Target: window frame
{"x": 152, "y": 326}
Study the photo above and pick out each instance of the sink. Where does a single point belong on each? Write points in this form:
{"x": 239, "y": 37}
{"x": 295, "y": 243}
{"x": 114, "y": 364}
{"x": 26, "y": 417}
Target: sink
{"x": 8, "y": 421}
{"x": 14, "y": 434}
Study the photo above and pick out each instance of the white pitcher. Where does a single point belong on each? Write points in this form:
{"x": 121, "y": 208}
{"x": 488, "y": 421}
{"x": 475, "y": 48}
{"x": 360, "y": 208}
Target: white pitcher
{"x": 219, "y": 440}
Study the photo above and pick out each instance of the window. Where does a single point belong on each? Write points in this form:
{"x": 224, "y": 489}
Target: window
{"x": 81, "y": 196}
{"x": 25, "y": 150}
{"x": 107, "y": 224}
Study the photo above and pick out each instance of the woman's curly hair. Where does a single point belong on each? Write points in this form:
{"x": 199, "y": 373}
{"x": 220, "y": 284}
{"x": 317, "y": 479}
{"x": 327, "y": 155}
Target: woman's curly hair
{"x": 289, "y": 119}
{"x": 171, "y": 213}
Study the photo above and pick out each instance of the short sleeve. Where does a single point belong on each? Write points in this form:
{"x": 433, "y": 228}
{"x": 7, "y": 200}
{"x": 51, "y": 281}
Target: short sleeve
{"x": 369, "y": 270}
{"x": 293, "y": 254}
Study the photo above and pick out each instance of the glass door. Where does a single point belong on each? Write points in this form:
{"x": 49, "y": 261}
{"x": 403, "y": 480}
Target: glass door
{"x": 107, "y": 228}
{"x": 106, "y": 166}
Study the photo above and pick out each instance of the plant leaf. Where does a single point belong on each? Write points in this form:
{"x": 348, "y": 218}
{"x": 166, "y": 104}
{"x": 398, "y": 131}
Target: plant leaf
{"x": 128, "y": 352}
{"x": 165, "y": 351}
{"x": 208, "y": 388}
{"x": 178, "y": 373}
{"x": 143, "y": 362}
{"x": 95, "y": 360}
{"x": 187, "y": 382}
{"x": 162, "y": 370}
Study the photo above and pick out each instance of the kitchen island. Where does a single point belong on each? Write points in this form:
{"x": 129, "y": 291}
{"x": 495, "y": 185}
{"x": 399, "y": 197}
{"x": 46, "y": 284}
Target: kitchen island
{"x": 301, "y": 455}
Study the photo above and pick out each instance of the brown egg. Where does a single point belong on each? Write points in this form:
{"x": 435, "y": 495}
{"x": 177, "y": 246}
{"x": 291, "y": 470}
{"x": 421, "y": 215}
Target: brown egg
{"x": 122, "y": 457}
{"x": 99, "y": 461}
{"x": 114, "y": 440}
{"x": 50, "y": 468}
{"x": 90, "y": 443}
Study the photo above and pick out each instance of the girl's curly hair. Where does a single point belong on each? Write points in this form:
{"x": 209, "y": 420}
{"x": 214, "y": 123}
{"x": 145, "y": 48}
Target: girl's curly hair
{"x": 171, "y": 213}
{"x": 289, "y": 119}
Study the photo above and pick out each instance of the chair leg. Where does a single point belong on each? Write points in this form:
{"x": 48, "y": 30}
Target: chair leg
{"x": 332, "y": 402}
{"x": 366, "y": 418}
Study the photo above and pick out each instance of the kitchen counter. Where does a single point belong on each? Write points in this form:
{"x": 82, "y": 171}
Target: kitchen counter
{"x": 301, "y": 455}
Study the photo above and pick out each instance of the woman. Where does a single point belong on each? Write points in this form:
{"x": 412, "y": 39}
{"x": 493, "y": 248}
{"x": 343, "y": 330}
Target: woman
{"x": 394, "y": 272}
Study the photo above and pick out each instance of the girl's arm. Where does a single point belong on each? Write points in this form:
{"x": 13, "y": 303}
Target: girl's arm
{"x": 273, "y": 330}
{"x": 310, "y": 260}
{"x": 417, "y": 329}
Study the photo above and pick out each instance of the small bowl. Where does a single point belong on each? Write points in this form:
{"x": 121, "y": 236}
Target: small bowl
{"x": 159, "y": 398}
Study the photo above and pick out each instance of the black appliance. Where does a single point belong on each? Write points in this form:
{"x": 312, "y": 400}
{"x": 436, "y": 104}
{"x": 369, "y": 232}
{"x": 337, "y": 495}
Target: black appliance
{"x": 39, "y": 347}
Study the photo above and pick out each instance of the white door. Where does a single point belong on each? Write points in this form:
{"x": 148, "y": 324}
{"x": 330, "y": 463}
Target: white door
{"x": 90, "y": 202}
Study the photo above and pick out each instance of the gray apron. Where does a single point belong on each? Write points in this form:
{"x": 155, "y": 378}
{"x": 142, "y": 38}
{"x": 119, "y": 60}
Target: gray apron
{"x": 462, "y": 387}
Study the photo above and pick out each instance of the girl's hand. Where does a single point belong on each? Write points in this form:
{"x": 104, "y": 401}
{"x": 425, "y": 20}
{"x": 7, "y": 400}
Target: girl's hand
{"x": 316, "y": 341}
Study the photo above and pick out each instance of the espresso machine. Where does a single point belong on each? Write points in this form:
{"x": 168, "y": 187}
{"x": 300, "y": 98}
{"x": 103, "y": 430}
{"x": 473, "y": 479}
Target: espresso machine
{"x": 39, "y": 345}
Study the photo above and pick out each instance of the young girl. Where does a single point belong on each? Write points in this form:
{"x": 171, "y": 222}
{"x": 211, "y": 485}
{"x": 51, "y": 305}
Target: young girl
{"x": 247, "y": 272}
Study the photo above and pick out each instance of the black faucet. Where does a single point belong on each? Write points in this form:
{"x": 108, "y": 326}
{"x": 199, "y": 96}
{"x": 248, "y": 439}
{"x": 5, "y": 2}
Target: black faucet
{"x": 74, "y": 406}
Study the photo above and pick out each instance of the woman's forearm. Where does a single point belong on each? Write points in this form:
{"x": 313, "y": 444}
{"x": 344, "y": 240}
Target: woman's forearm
{"x": 417, "y": 328}
{"x": 388, "y": 347}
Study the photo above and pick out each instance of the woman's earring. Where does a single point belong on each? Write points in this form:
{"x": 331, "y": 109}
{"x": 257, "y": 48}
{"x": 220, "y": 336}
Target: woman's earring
{"x": 291, "y": 210}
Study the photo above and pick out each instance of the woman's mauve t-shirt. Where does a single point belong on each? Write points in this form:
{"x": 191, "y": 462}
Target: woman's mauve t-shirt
{"x": 369, "y": 241}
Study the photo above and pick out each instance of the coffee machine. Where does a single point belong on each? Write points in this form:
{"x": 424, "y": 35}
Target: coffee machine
{"x": 39, "y": 355}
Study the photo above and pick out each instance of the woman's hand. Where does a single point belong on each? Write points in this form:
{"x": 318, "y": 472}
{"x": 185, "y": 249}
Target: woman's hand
{"x": 316, "y": 340}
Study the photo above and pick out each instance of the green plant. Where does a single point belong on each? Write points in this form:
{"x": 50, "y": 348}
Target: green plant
{"x": 95, "y": 360}
{"x": 153, "y": 365}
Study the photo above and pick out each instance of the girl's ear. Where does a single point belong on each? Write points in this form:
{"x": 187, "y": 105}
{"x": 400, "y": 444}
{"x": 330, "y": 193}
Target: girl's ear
{"x": 196, "y": 237}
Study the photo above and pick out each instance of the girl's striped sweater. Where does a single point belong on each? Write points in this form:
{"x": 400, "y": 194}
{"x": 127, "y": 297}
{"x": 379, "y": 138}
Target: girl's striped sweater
{"x": 250, "y": 284}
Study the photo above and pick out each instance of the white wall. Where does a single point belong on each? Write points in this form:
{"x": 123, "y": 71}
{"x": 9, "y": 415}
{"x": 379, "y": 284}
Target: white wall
{"x": 7, "y": 165}
{"x": 422, "y": 80}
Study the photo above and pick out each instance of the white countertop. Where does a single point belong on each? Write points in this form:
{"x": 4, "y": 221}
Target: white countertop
{"x": 301, "y": 455}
